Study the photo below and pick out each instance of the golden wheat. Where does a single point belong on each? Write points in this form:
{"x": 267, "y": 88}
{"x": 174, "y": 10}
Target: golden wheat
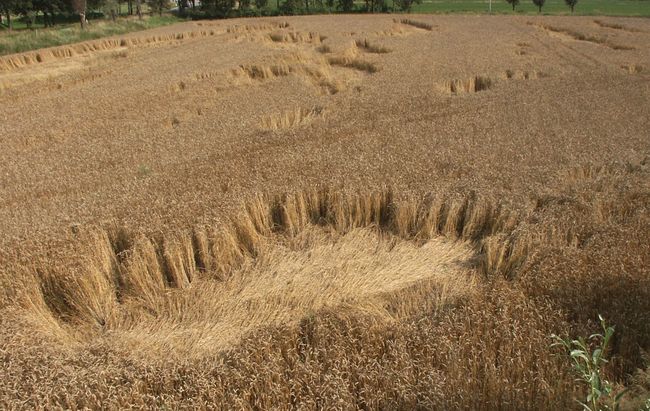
{"x": 305, "y": 213}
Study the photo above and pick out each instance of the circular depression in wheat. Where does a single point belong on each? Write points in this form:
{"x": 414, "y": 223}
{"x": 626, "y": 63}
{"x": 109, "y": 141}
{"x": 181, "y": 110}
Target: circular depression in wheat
{"x": 291, "y": 277}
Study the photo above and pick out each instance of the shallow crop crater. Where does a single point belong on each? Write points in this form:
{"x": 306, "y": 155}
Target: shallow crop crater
{"x": 198, "y": 292}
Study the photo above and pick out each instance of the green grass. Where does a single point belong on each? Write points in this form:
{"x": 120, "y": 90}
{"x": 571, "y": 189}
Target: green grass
{"x": 552, "y": 7}
{"x": 19, "y": 41}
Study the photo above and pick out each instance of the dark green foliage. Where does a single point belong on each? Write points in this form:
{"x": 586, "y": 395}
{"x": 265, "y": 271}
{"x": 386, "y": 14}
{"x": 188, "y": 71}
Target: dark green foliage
{"x": 291, "y": 7}
{"x": 376, "y": 6}
{"x": 345, "y": 5}
{"x": 571, "y": 3}
{"x": 539, "y": 4}
{"x": 406, "y": 5}
{"x": 158, "y": 6}
{"x": 217, "y": 8}
{"x": 300, "y": 7}
{"x": 513, "y": 3}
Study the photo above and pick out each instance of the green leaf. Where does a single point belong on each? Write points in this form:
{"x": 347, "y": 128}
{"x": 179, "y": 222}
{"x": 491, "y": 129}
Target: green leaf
{"x": 585, "y": 406}
{"x": 595, "y": 382}
{"x": 596, "y": 355}
{"x": 579, "y": 354}
{"x": 620, "y": 395}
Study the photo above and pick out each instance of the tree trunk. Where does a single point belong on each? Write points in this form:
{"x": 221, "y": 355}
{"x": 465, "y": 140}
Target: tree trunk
{"x": 513, "y": 6}
{"x": 540, "y": 9}
{"x": 129, "y": 7}
{"x": 572, "y": 6}
{"x": 51, "y": 17}
{"x": 10, "y": 24}
{"x": 82, "y": 18}
{"x": 138, "y": 9}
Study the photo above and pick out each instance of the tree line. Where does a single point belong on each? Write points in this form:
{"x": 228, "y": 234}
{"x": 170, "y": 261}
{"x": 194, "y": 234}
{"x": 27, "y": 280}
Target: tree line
{"x": 29, "y": 9}
{"x": 540, "y": 3}
{"x": 49, "y": 9}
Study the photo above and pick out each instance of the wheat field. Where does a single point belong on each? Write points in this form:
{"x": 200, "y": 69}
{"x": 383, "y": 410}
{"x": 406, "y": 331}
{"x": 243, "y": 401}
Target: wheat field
{"x": 325, "y": 212}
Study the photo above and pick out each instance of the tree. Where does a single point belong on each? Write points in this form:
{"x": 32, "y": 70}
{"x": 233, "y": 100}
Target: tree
{"x": 79, "y": 6}
{"x": 405, "y": 5}
{"x": 373, "y": 5}
{"x": 182, "y": 6}
{"x": 7, "y": 7}
{"x": 345, "y": 5}
{"x": 218, "y": 7}
{"x": 26, "y": 9}
{"x": 513, "y": 3}
{"x": 539, "y": 4}
{"x": 111, "y": 7}
{"x": 260, "y": 4}
{"x": 290, "y": 7}
{"x": 158, "y": 6}
{"x": 571, "y": 3}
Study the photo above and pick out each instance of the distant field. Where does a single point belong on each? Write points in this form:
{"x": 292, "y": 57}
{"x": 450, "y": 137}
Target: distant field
{"x": 635, "y": 8}
{"x": 554, "y": 7}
